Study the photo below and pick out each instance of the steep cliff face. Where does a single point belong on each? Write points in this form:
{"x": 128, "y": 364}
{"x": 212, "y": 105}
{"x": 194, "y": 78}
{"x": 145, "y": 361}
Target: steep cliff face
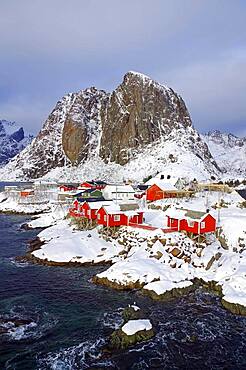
{"x": 82, "y": 125}
{"x": 139, "y": 112}
{"x": 13, "y": 140}
{"x": 139, "y": 118}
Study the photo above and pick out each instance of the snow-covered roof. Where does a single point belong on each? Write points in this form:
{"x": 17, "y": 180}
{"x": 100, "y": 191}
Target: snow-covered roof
{"x": 119, "y": 189}
{"x": 181, "y": 213}
{"x": 112, "y": 208}
{"x": 163, "y": 185}
{"x": 97, "y": 205}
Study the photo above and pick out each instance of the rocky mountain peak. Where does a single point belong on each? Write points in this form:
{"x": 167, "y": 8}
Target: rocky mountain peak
{"x": 113, "y": 127}
{"x": 138, "y": 112}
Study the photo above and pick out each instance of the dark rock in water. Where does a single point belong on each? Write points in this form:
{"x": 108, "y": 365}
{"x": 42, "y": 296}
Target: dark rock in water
{"x": 35, "y": 244}
{"x": 130, "y": 314}
{"x": 120, "y": 340}
{"x": 12, "y": 322}
{"x": 21, "y": 259}
{"x": 25, "y": 227}
{"x": 235, "y": 308}
{"x": 169, "y": 294}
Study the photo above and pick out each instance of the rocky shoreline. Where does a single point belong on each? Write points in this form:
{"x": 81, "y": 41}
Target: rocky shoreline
{"x": 212, "y": 285}
{"x": 36, "y": 244}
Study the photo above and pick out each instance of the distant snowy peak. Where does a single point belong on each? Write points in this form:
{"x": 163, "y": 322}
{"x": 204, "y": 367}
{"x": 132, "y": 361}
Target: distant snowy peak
{"x": 224, "y": 139}
{"x": 12, "y": 140}
{"x": 229, "y": 152}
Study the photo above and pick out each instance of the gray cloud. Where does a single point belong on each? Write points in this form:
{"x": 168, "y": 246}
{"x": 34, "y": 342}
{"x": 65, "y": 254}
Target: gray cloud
{"x": 53, "y": 47}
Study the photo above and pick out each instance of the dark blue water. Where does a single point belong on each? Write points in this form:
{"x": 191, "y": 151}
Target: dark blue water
{"x": 70, "y": 320}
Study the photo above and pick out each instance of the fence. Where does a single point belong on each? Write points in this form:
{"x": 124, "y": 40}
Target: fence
{"x": 152, "y": 228}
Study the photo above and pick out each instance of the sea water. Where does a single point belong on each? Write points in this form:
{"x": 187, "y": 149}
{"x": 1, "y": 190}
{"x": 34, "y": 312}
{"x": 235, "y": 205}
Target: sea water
{"x": 69, "y": 319}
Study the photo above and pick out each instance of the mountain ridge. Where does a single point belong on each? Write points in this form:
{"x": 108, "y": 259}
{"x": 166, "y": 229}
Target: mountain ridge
{"x": 138, "y": 118}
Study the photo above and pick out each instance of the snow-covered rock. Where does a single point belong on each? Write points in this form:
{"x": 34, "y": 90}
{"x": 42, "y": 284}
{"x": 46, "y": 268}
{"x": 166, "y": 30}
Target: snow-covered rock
{"x": 64, "y": 245}
{"x": 229, "y": 151}
{"x": 134, "y": 326}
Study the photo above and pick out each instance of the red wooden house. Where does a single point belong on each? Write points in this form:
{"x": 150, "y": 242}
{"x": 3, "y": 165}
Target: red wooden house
{"x": 160, "y": 190}
{"x": 67, "y": 187}
{"x": 26, "y": 192}
{"x": 87, "y": 185}
{"x": 89, "y": 211}
{"x": 109, "y": 216}
{"x": 99, "y": 185}
{"x": 195, "y": 222}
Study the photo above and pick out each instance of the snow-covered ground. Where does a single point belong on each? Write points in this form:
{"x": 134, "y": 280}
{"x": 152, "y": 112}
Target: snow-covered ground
{"x": 67, "y": 245}
{"x": 153, "y": 260}
{"x": 13, "y": 206}
{"x": 170, "y": 157}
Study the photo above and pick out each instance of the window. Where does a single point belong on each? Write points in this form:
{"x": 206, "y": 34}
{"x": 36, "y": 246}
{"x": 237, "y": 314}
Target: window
{"x": 202, "y": 225}
{"x": 98, "y": 216}
{"x": 116, "y": 217}
{"x": 190, "y": 223}
{"x": 105, "y": 218}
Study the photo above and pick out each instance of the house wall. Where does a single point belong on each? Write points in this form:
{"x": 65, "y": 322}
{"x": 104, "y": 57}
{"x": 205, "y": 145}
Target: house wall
{"x": 210, "y": 224}
{"x": 88, "y": 212}
{"x": 137, "y": 219}
{"x": 110, "y": 221}
{"x": 76, "y": 204}
{"x": 155, "y": 193}
{"x": 185, "y": 225}
{"x": 101, "y": 212}
{"x": 172, "y": 222}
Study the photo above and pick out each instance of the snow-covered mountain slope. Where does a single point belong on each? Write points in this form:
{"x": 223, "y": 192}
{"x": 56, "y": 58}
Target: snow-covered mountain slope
{"x": 13, "y": 140}
{"x": 140, "y": 128}
{"x": 229, "y": 151}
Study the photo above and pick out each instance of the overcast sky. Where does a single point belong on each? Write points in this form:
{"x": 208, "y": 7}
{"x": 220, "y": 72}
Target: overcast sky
{"x": 52, "y": 47}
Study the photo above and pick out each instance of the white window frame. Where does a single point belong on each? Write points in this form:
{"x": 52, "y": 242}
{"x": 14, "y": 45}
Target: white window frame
{"x": 105, "y": 218}
{"x": 191, "y": 223}
{"x": 98, "y": 216}
{"x": 203, "y": 225}
{"x": 116, "y": 218}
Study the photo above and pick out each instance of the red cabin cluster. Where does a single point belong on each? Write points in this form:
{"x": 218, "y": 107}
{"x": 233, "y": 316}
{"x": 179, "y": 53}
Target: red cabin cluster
{"x": 106, "y": 213}
{"x": 195, "y": 222}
